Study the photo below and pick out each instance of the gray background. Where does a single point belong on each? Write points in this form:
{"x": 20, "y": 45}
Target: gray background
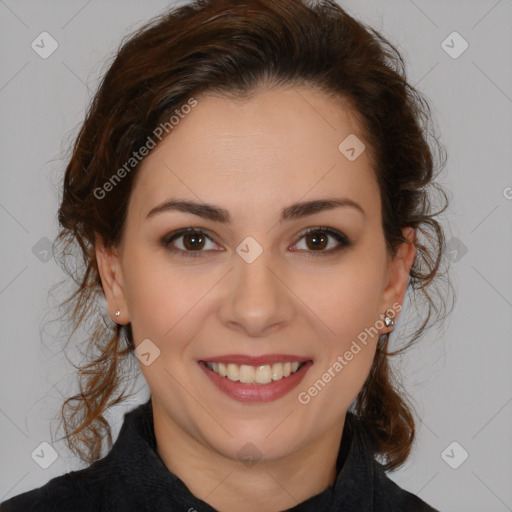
{"x": 460, "y": 378}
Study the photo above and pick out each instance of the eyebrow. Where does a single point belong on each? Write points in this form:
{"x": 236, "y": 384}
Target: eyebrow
{"x": 218, "y": 214}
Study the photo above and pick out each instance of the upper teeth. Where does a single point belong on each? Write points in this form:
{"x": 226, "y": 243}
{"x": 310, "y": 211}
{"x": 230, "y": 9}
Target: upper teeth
{"x": 249, "y": 374}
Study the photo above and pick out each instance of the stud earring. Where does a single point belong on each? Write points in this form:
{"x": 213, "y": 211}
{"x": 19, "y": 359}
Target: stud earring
{"x": 117, "y": 314}
{"x": 389, "y": 321}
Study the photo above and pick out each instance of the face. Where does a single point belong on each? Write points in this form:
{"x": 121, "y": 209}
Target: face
{"x": 258, "y": 282}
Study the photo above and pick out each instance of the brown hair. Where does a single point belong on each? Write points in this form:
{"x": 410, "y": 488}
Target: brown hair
{"x": 231, "y": 47}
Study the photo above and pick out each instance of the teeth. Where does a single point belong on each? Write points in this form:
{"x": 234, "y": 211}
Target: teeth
{"x": 233, "y": 372}
{"x": 277, "y": 371}
{"x": 246, "y": 374}
{"x": 223, "y": 371}
{"x": 263, "y": 374}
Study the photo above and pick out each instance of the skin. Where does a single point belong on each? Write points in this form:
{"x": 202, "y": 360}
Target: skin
{"x": 254, "y": 157}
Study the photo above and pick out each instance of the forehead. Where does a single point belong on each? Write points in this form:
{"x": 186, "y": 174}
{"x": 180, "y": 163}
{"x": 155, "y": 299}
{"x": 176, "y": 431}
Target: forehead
{"x": 278, "y": 145}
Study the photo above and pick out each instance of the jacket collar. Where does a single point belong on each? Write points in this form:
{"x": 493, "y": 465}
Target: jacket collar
{"x": 139, "y": 480}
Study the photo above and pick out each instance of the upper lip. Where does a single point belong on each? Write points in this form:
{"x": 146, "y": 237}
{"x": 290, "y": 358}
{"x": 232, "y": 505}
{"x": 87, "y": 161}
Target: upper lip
{"x": 255, "y": 360}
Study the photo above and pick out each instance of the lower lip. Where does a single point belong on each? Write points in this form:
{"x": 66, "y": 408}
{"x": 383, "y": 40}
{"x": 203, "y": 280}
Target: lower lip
{"x": 257, "y": 392}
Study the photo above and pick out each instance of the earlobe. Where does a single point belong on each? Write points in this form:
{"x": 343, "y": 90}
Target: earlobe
{"x": 109, "y": 268}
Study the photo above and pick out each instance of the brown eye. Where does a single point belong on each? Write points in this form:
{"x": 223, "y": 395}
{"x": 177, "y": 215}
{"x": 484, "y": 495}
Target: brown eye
{"x": 187, "y": 242}
{"x": 193, "y": 241}
{"x": 318, "y": 239}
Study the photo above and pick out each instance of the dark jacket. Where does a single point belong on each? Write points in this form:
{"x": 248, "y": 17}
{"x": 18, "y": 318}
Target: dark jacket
{"x": 133, "y": 478}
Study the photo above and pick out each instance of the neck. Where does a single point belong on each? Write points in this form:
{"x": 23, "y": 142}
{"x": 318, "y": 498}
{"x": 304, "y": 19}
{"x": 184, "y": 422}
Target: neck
{"x": 228, "y": 485}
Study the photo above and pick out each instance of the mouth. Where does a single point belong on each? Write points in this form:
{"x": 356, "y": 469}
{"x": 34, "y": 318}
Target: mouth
{"x": 262, "y": 379}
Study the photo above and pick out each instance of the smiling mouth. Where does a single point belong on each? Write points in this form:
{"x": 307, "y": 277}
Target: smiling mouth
{"x": 261, "y": 374}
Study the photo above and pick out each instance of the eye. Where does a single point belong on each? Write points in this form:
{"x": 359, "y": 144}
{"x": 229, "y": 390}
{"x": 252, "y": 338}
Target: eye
{"x": 317, "y": 239}
{"x": 194, "y": 240}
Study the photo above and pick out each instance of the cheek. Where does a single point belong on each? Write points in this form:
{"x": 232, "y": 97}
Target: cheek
{"x": 345, "y": 305}
{"x": 331, "y": 391}
{"x": 345, "y": 359}
{"x": 337, "y": 377}
{"x": 345, "y": 299}
{"x": 164, "y": 301}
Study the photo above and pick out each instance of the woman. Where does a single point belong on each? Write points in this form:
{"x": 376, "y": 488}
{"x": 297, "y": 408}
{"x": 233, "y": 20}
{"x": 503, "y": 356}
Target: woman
{"x": 251, "y": 193}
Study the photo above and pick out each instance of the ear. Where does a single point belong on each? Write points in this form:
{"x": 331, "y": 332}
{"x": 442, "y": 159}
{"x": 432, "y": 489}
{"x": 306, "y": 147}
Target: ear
{"x": 398, "y": 275}
{"x": 109, "y": 267}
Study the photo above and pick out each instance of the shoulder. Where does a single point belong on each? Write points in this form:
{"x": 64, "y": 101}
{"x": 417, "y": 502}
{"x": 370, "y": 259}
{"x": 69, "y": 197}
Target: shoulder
{"x": 80, "y": 491}
{"x": 100, "y": 485}
{"x": 390, "y": 497}
{"x": 386, "y": 495}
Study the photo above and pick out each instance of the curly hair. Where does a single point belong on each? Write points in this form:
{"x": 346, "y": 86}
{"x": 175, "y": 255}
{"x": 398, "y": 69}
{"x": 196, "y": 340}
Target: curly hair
{"x": 231, "y": 47}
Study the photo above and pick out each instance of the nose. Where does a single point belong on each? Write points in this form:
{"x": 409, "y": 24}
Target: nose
{"x": 256, "y": 298}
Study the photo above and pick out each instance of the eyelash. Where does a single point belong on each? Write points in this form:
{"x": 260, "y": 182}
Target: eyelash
{"x": 337, "y": 235}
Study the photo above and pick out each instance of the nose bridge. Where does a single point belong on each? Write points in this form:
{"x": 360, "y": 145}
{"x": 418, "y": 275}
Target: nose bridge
{"x": 254, "y": 280}
{"x": 256, "y": 299}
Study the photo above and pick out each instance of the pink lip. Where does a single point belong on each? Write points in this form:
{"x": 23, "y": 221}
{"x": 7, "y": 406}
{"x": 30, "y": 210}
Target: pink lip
{"x": 257, "y": 392}
{"x": 256, "y": 360}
